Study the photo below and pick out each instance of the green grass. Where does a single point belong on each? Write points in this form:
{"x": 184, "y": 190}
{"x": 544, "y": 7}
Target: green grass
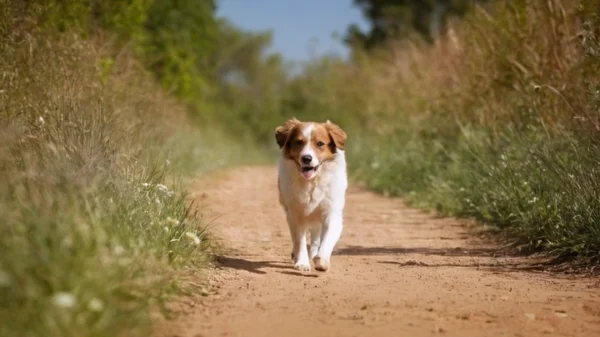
{"x": 542, "y": 193}
{"x": 97, "y": 229}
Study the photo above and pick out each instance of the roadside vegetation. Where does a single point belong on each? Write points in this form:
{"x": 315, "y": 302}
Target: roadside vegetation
{"x": 97, "y": 230}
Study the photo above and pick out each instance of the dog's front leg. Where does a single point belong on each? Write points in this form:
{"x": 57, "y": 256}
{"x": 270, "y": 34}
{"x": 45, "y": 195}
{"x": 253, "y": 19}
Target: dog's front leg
{"x": 302, "y": 262}
{"x": 299, "y": 251}
{"x": 330, "y": 234}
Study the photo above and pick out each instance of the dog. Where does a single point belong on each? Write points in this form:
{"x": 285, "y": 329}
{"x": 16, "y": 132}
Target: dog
{"x": 312, "y": 186}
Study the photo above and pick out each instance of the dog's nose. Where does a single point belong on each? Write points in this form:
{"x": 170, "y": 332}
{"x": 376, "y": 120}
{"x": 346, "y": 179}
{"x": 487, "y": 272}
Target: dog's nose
{"x": 306, "y": 159}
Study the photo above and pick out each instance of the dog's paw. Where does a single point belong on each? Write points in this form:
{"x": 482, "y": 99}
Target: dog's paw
{"x": 321, "y": 264}
{"x": 302, "y": 266}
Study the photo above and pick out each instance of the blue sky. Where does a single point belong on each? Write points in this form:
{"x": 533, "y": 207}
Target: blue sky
{"x": 298, "y": 26}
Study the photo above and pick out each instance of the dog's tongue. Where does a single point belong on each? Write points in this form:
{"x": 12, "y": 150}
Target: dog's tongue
{"x": 308, "y": 173}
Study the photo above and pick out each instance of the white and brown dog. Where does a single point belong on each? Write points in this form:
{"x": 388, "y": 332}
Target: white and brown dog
{"x": 312, "y": 188}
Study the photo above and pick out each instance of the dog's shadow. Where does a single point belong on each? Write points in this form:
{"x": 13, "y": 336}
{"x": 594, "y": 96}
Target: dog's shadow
{"x": 297, "y": 273}
{"x": 257, "y": 267}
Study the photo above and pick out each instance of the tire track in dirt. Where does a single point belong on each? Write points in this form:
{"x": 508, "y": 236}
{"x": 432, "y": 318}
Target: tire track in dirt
{"x": 395, "y": 272}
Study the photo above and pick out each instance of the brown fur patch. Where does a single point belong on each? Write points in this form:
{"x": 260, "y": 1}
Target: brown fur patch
{"x": 337, "y": 134}
{"x": 322, "y": 142}
{"x": 282, "y": 132}
{"x": 295, "y": 143}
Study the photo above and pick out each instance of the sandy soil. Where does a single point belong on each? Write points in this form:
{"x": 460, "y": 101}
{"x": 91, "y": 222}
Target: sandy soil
{"x": 396, "y": 272}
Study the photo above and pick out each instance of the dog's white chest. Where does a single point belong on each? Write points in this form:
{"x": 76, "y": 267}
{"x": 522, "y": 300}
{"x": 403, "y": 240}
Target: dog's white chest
{"x": 306, "y": 197}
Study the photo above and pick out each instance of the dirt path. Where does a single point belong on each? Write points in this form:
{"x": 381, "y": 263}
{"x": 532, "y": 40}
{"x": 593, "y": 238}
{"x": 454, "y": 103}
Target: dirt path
{"x": 395, "y": 272}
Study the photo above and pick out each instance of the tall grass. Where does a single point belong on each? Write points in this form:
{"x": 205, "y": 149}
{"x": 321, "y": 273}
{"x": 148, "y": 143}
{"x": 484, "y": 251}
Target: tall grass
{"x": 95, "y": 227}
{"x": 507, "y": 129}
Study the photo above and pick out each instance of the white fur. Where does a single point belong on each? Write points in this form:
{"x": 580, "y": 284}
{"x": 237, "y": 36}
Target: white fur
{"x": 308, "y": 149}
{"x": 315, "y": 205}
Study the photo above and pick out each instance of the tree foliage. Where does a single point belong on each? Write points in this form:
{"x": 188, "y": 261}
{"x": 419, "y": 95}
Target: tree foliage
{"x": 180, "y": 37}
{"x": 392, "y": 19}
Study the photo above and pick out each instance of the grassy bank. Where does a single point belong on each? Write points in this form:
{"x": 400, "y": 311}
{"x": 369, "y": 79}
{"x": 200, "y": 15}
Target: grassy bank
{"x": 96, "y": 225}
{"x": 501, "y": 124}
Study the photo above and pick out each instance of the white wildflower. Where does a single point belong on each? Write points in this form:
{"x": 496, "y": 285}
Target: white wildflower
{"x": 96, "y": 304}
{"x": 171, "y": 222}
{"x": 68, "y": 241}
{"x": 41, "y": 120}
{"x": 63, "y": 300}
{"x": 145, "y": 184}
{"x": 166, "y": 229}
{"x": 193, "y": 237}
{"x": 164, "y": 189}
{"x": 5, "y": 279}
{"x": 118, "y": 250}
{"x": 168, "y": 162}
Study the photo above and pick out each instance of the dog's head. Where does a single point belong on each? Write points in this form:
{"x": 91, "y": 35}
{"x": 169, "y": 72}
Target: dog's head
{"x": 309, "y": 144}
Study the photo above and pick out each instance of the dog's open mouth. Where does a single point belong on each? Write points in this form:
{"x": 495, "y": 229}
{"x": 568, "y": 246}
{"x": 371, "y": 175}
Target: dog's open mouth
{"x": 308, "y": 172}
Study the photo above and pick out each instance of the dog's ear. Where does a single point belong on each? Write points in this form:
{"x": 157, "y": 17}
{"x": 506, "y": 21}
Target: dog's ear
{"x": 337, "y": 134}
{"x": 282, "y": 132}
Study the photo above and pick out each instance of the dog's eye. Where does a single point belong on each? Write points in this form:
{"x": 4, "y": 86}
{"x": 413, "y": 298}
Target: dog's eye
{"x": 320, "y": 144}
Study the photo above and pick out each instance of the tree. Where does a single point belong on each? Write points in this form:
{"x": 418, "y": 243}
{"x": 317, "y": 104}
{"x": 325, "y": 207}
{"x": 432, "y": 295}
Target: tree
{"x": 179, "y": 40}
{"x": 393, "y": 19}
